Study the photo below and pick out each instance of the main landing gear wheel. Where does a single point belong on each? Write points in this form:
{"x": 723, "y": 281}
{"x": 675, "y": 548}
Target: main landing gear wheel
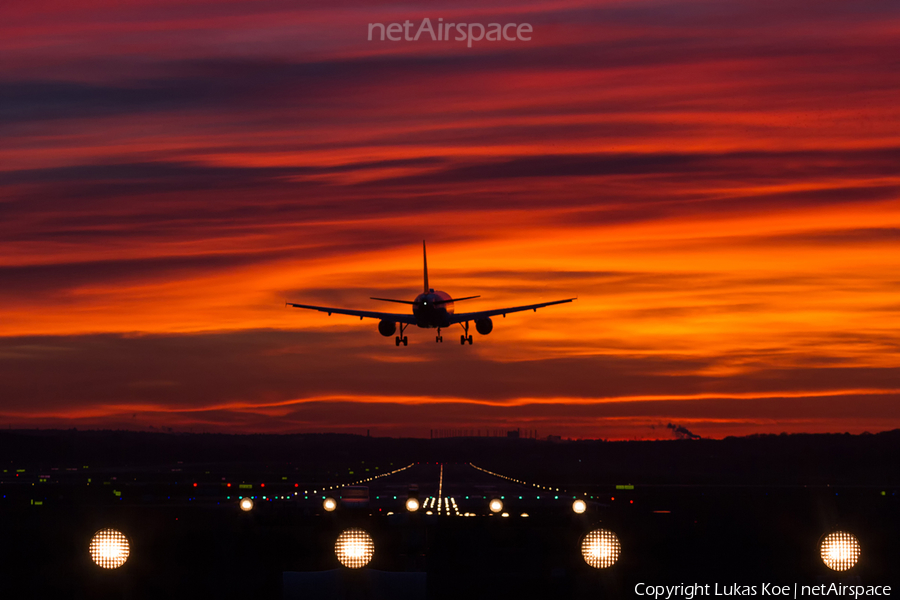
{"x": 439, "y": 338}
{"x": 401, "y": 338}
{"x": 465, "y": 337}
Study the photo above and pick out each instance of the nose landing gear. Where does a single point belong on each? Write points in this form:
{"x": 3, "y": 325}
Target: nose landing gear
{"x": 439, "y": 338}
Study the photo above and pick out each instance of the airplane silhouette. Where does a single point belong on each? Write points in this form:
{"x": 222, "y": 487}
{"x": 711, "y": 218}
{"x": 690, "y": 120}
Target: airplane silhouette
{"x": 430, "y": 310}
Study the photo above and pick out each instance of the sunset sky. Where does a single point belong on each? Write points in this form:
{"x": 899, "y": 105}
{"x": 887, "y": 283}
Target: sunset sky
{"x": 717, "y": 182}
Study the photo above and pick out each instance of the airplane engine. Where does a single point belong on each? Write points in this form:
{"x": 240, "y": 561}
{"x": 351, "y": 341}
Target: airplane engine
{"x": 387, "y": 328}
{"x": 484, "y": 326}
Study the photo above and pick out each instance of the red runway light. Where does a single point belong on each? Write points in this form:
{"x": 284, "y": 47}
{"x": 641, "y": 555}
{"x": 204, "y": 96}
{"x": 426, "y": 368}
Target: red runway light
{"x": 228, "y": 485}
{"x": 262, "y": 485}
{"x": 195, "y": 485}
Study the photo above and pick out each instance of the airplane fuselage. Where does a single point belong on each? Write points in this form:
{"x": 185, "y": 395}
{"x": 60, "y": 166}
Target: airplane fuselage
{"x": 433, "y": 309}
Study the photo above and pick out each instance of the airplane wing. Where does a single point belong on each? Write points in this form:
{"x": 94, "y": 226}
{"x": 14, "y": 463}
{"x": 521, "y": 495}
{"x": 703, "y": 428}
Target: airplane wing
{"x": 474, "y": 316}
{"x": 362, "y": 314}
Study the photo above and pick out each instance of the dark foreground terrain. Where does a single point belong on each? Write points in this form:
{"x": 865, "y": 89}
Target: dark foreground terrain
{"x": 747, "y": 511}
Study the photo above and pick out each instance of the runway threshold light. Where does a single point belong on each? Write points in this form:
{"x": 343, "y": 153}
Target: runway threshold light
{"x": 579, "y": 506}
{"x": 840, "y": 550}
{"x": 412, "y": 505}
{"x": 496, "y": 505}
{"x": 354, "y": 548}
{"x": 329, "y": 504}
{"x": 109, "y": 548}
{"x": 246, "y": 504}
{"x": 600, "y": 548}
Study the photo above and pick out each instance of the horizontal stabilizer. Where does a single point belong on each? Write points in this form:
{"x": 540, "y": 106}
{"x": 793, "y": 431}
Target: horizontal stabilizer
{"x": 455, "y": 299}
{"x": 392, "y": 300}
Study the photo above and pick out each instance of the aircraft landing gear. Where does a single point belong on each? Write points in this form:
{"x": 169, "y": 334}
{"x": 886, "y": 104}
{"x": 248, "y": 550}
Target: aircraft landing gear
{"x": 401, "y": 339}
{"x": 465, "y": 337}
{"x": 439, "y": 338}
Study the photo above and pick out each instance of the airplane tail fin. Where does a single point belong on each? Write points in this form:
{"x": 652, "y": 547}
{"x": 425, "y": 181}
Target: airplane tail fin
{"x": 425, "y": 266}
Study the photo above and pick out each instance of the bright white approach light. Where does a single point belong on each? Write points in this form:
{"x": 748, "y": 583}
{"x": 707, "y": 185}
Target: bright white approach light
{"x": 412, "y": 505}
{"x": 579, "y": 506}
{"x": 600, "y": 548}
{"x": 329, "y": 504}
{"x": 246, "y": 504}
{"x": 354, "y": 548}
{"x": 496, "y": 505}
{"x": 840, "y": 550}
{"x": 109, "y": 548}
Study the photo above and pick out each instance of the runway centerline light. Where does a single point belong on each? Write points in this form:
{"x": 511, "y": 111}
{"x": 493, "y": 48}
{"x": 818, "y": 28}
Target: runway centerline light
{"x": 329, "y": 504}
{"x": 412, "y": 505}
{"x": 579, "y": 506}
{"x": 840, "y": 550}
{"x": 496, "y": 505}
{"x": 109, "y": 548}
{"x": 354, "y": 548}
{"x": 246, "y": 504}
{"x": 600, "y": 548}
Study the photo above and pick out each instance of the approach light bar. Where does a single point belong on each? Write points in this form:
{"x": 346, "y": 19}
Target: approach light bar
{"x": 109, "y": 548}
{"x": 354, "y": 548}
{"x": 840, "y": 550}
{"x": 600, "y": 548}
